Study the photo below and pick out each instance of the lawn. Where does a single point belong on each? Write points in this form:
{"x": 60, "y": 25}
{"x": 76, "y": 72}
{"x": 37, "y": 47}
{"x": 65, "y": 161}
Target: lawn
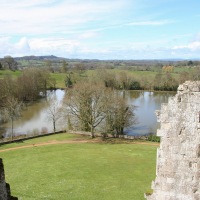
{"x": 89, "y": 171}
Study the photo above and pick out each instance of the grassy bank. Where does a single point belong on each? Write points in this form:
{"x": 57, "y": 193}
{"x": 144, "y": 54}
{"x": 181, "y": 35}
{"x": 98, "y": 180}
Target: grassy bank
{"x": 80, "y": 170}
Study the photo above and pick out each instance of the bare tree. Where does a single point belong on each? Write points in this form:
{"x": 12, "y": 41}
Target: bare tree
{"x": 94, "y": 104}
{"x": 64, "y": 67}
{"x": 54, "y": 112}
{"x": 124, "y": 80}
{"x": 11, "y": 110}
{"x": 48, "y": 66}
{"x": 32, "y": 82}
{"x": 79, "y": 68}
{"x": 86, "y": 102}
{"x": 108, "y": 77}
{"x": 119, "y": 114}
{"x": 7, "y": 87}
{"x": 195, "y": 75}
{"x": 183, "y": 76}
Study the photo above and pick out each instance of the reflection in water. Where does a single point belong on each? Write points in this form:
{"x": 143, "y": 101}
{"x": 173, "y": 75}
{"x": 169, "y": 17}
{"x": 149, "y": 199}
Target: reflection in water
{"x": 146, "y": 103}
{"x": 34, "y": 118}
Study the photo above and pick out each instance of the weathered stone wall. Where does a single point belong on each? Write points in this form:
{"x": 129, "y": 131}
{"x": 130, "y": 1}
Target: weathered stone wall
{"x": 3, "y": 190}
{"x": 4, "y": 187}
{"x": 178, "y": 158}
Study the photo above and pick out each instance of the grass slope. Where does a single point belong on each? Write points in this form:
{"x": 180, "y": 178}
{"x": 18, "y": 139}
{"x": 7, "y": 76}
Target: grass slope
{"x": 90, "y": 171}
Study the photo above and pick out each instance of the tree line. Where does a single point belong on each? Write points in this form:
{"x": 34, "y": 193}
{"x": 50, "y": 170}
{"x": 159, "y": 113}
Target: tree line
{"x": 126, "y": 81}
{"x": 14, "y": 92}
{"x": 28, "y": 86}
{"x": 163, "y": 81}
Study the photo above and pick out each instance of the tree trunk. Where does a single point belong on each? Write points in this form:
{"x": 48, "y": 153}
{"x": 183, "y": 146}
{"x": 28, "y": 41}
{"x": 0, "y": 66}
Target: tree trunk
{"x": 54, "y": 126}
{"x": 12, "y": 128}
{"x": 92, "y": 132}
{"x": 45, "y": 88}
{"x": 121, "y": 131}
{"x": 69, "y": 124}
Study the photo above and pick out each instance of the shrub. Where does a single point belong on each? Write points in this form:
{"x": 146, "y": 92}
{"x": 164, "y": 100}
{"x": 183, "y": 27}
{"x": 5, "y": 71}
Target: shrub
{"x": 153, "y": 138}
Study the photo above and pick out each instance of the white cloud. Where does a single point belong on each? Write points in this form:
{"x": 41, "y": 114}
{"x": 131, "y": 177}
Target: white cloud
{"x": 187, "y": 51}
{"x": 150, "y": 23}
{"x": 194, "y": 46}
{"x": 58, "y": 46}
{"x": 8, "y": 48}
{"x": 78, "y": 49}
{"x": 23, "y": 45}
{"x": 88, "y": 34}
{"x": 25, "y": 3}
{"x": 39, "y": 17}
{"x": 90, "y": 29}
{"x": 5, "y": 46}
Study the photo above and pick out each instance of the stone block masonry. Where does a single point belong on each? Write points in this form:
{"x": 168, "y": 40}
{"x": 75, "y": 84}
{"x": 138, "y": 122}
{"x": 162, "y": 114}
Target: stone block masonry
{"x": 178, "y": 158}
{"x": 4, "y": 187}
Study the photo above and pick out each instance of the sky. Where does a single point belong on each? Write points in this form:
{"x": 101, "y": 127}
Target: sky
{"x": 101, "y": 29}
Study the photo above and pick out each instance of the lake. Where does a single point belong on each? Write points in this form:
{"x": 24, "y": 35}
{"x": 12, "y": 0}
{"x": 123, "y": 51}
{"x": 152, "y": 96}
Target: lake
{"x": 35, "y": 120}
{"x": 146, "y": 104}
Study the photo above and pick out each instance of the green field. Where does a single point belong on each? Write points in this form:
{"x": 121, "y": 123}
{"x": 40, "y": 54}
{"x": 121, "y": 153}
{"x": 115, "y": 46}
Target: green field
{"x": 4, "y": 73}
{"x": 79, "y": 171}
{"x": 136, "y": 75}
{"x": 60, "y": 79}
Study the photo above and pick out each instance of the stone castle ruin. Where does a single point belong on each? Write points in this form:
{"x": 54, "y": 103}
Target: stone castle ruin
{"x": 4, "y": 187}
{"x": 178, "y": 158}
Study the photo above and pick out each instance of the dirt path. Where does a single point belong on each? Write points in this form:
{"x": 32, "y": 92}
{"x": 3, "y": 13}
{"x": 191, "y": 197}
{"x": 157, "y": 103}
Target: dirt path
{"x": 47, "y": 143}
{"x": 146, "y": 143}
{"x": 66, "y": 142}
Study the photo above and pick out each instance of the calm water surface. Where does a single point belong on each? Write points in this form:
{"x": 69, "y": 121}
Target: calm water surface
{"x": 34, "y": 117}
{"x": 146, "y": 103}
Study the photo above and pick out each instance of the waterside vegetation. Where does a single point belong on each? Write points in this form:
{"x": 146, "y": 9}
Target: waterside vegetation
{"x": 91, "y": 101}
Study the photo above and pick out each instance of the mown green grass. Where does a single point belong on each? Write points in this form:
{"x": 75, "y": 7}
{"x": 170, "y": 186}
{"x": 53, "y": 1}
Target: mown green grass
{"x": 56, "y": 137}
{"x": 182, "y": 69}
{"x": 137, "y": 75}
{"x": 90, "y": 171}
{"x": 145, "y": 74}
{"x": 60, "y": 79}
{"x": 13, "y": 74}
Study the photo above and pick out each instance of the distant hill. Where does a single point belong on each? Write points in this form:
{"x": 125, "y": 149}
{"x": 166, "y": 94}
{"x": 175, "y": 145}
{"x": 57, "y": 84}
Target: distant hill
{"x": 55, "y": 58}
{"x": 32, "y": 57}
